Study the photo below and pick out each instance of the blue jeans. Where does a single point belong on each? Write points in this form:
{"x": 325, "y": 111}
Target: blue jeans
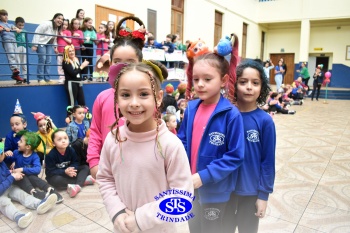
{"x": 10, "y": 48}
{"x": 45, "y": 53}
{"x": 278, "y": 80}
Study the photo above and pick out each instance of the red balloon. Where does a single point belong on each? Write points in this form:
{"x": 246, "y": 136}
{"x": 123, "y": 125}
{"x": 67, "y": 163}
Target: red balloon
{"x": 327, "y": 80}
{"x": 328, "y": 74}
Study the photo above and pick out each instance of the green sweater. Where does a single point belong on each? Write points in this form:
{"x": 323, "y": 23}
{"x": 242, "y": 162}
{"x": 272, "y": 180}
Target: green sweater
{"x": 91, "y": 34}
{"x": 304, "y": 73}
{"x": 21, "y": 39}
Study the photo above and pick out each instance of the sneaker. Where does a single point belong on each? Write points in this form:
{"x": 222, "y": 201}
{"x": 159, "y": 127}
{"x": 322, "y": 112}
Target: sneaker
{"x": 89, "y": 180}
{"x": 61, "y": 81}
{"x": 73, "y": 189}
{"x": 301, "y": 102}
{"x": 39, "y": 194}
{"x": 23, "y": 220}
{"x": 90, "y": 79}
{"x": 309, "y": 93}
{"x": 41, "y": 82}
{"x": 15, "y": 72}
{"x": 18, "y": 82}
{"x": 46, "y": 204}
{"x": 59, "y": 196}
{"x": 291, "y": 112}
{"x": 17, "y": 78}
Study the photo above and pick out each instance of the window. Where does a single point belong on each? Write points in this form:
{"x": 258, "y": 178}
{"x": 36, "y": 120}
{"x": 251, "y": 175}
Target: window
{"x": 177, "y": 12}
{"x": 217, "y": 27}
{"x": 152, "y": 22}
{"x": 244, "y": 40}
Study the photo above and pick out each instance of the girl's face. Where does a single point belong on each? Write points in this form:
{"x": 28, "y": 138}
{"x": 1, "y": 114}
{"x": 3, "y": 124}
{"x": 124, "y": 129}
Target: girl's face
{"x": 280, "y": 63}
{"x": 110, "y": 26}
{"x": 79, "y": 114}
{"x": 81, "y": 14}
{"x": 124, "y": 54}
{"x": 61, "y": 140}
{"x": 102, "y": 29}
{"x": 88, "y": 24}
{"x": 65, "y": 25}
{"x": 58, "y": 20}
{"x": 22, "y": 144}
{"x": 71, "y": 53}
{"x": 42, "y": 126}
{"x": 207, "y": 82}
{"x": 76, "y": 24}
{"x": 183, "y": 105}
{"x": 136, "y": 101}
{"x": 171, "y": 124}
{"x": 248, "y": 88}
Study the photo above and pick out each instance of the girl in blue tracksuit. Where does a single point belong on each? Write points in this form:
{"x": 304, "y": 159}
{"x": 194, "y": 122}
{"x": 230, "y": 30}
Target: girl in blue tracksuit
{"x": 212, "y": 133}
{"x": 257, "y": 173}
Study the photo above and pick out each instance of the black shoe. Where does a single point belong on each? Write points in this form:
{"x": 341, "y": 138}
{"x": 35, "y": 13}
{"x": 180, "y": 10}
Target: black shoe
{"x": 90, "y": 79}
{"x": 59, "y": 196}
{"x": 316, "y": 99}
{"x": 39, "y": 194}
{"x": 18, "y": 82}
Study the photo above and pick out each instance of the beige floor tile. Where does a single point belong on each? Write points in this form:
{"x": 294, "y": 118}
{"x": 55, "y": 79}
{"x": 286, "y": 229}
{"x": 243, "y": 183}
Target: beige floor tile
{"x": 326, "y": 218}
{"x": 4, "y": 227}
{"x": 302, "y": 229}
{"x": 289, "y": 199}
{"x": 271, "y": 224}
{"x": 82, "y": 224}
{"x": 337, "y": 171}
{"x": 101, "y": 217}
{"x": 337, "y": 195}
{"x": 303, "y": 171}
{"x": 341, "y": 153}
{"x": 313, "y": 154}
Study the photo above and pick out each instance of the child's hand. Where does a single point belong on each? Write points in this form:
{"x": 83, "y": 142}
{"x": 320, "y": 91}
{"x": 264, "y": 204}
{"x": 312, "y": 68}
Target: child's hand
{"x": 8, "y": 153}
{"x": 197, "y": 182}
{"x": 17, "y": 176}
{"x": 119, "y": 223}
{"x": 86, "y": 140}
{"x": 261, "y": 206}
{"x": 71, "y": 172}
{"x": 12, "y": 166}
{"x": 18, "y": 30}
{"x": 18, "y": 170}
{"x": 7, "y": 29}
{"x": 130, "y": 221}
{"x": 34, "y": 48}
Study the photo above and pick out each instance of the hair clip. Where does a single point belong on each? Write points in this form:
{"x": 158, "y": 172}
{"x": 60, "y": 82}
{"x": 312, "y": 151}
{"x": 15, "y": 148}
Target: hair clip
{"x": 114, "y": 70}
{"x": 155, "y": 68}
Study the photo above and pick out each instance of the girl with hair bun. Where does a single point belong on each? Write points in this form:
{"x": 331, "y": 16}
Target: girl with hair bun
{"x": 142, "y": 143}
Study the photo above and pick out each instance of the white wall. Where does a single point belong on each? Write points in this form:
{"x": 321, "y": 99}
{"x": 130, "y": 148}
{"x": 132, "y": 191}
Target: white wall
{"x": 295, "y": 10}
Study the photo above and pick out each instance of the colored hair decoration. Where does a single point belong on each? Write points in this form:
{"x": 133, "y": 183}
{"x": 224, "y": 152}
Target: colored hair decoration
{"x": 32, "y": 139}
{"x": 155, "y": 68}
{"x": 232, "y": 68}
{"x": 124, "y": 32}
{"x": 114, "y": 71}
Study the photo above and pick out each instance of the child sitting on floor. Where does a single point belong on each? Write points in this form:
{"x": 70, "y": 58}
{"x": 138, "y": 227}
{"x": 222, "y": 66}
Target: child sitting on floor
{"x": 275, "y": 105}
{"x": 46, "y": 128}
{"x": 62, "y": 167}
{"x": 18, "y": 122}
{"x": 9, "y": 192}
{"x": 27, "y": 162}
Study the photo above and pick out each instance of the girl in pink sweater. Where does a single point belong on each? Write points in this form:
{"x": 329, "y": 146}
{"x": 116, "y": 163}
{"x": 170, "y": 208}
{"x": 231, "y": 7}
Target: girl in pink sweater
{"x": 102, "y": 41}
{"x": 62, "y": 40}
{"x": 141, "y": 159}
{"x": 78, "y": 37}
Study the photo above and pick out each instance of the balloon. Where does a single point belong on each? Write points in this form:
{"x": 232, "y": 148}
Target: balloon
{"x": 328, "y": 74}
{"x": 327, "y": 80}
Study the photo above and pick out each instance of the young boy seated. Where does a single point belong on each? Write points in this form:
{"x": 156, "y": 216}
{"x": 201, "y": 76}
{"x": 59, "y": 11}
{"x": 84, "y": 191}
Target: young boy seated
{"x": 9, "y": 193}
{"x": 18, "y": 122}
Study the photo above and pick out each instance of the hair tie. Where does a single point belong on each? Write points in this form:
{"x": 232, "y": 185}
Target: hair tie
{"x": 127, "y": 33}
{"x": 155, "y": 68}
{"x": 114, "y": 70}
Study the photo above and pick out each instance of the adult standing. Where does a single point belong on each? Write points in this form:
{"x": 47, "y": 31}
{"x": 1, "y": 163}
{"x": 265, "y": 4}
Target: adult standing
{"x": 72, "y": 72}
{"x": 318, "y": 80}
{"x": 284, "y": 66}
{"x": 279, "y": 71}
{"x": 80, "y": 15}
{"x": 44, "y": 45}
{"x": 304, "y": 73}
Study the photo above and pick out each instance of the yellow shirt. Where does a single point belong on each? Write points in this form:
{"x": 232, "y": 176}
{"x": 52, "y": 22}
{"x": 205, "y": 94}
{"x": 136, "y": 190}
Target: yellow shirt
{"x": 48, "y": 142}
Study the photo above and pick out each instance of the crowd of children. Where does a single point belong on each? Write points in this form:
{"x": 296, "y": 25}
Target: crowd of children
{"x": 213, "y": 141}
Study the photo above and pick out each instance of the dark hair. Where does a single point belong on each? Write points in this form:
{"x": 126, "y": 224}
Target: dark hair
{"x": 67, "y": 20}
{"x": 55, "y": 132}
{"x": 149, "y": 39}
{"x": 53, "y": 23}
{"x": 20, "y": 115}
{"x": 72, "y": 24}
{"x": 265, "y": 89}
{"x": 136, "y": 41}
{"x": 84, "y": 28}
{"x": 77, "y": 14}
{"x": 19, "y": 20}
{"x": 106, "y": 33}
{"x": 71, "y": 110}
{"x": 3, "y": 12}
{"x": 126, "y": 42}
{"x": 274, "y": 95}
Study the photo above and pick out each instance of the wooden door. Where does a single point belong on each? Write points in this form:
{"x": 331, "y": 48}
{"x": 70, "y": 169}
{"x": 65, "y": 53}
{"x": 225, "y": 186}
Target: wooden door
{"x": 289, "y": 60}
{"x": 106, "y": 14}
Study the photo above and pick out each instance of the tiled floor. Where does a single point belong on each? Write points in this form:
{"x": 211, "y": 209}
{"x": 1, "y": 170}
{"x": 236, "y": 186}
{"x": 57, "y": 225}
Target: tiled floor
{"x": 312, "y": 188}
